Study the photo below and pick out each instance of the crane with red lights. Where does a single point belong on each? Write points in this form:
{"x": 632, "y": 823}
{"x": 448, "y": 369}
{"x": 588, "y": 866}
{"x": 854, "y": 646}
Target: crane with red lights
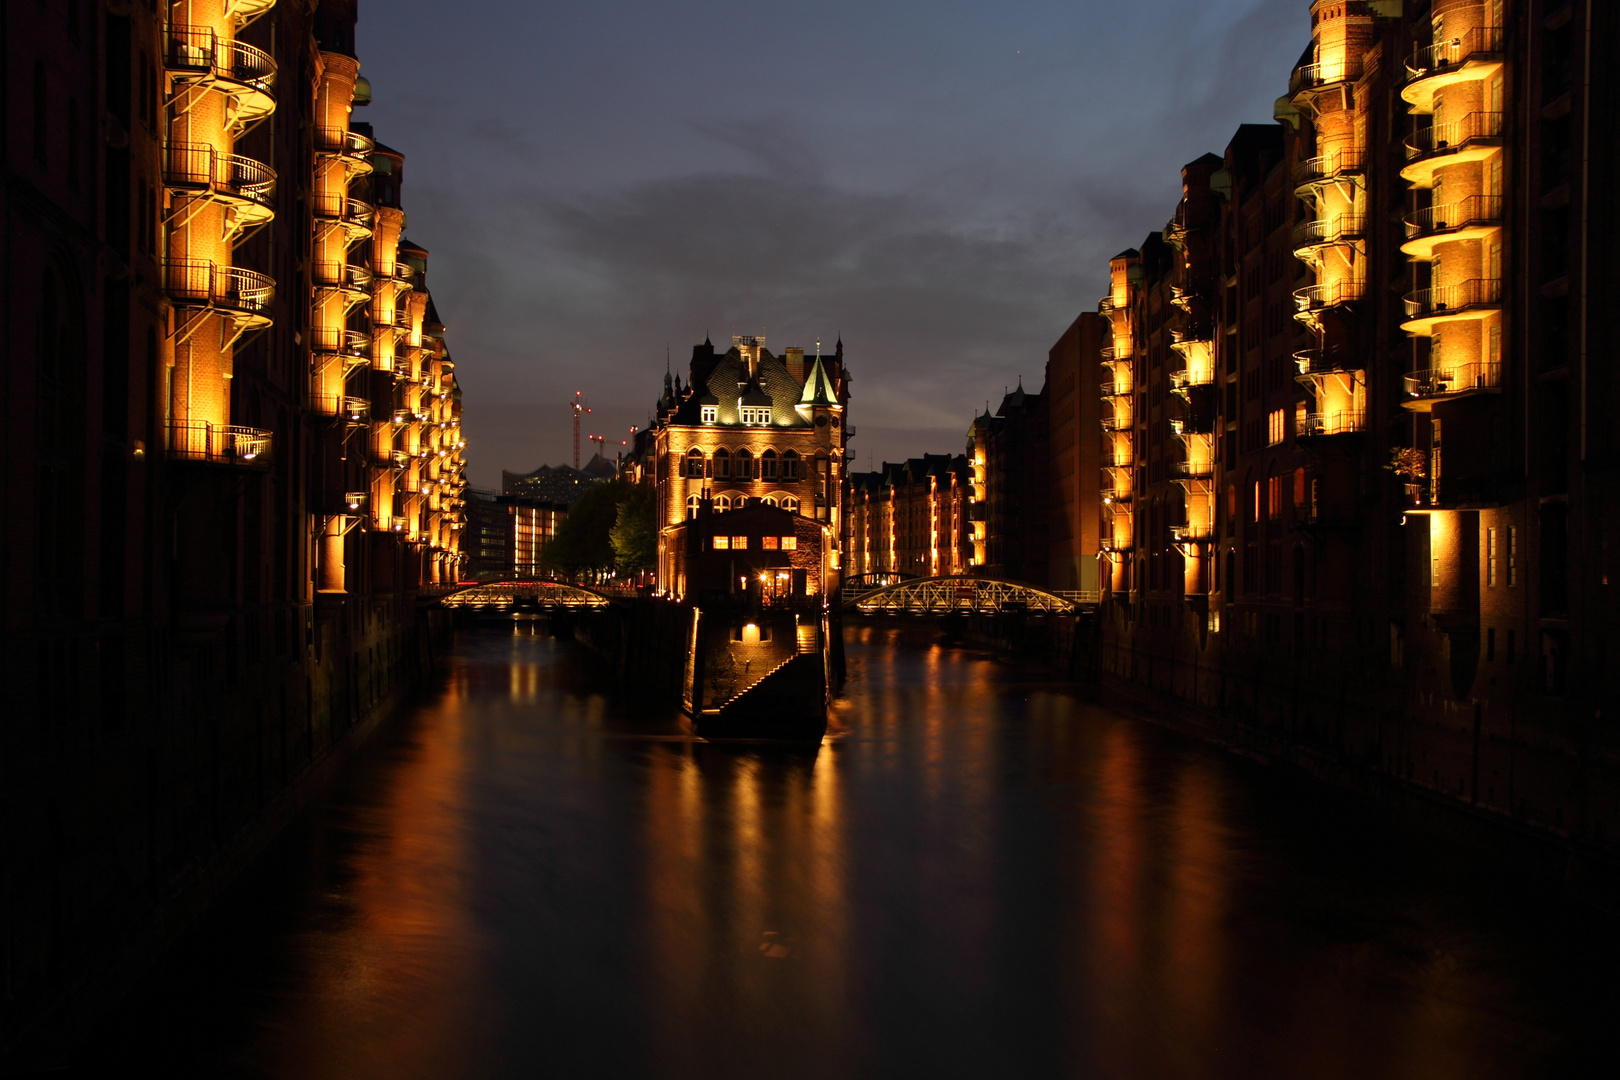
{"x": 580, "y": 408}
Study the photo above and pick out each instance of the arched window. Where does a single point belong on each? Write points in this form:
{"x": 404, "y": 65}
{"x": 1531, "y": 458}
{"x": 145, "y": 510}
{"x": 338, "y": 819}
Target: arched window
{"x": 722, "y": 462}
{"x": 692, "y": 506}
{"x": 694, "y": 464}
{"x": 745, "y": 465}
{"x": 722, "y": 502}
{"x": 790, "y": 465}
{"x": 790, "y": 503}
{"x": 769, "y": 500}
{"x": 767, "y": 465}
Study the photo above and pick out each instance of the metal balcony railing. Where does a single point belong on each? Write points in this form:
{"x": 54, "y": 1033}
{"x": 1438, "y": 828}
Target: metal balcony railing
{"x": 201, "y": 283}
{"x": 1117, "y": 422}
{"x": 1474, "y": 210}
{"x": 356, "y": 214}
{"x": 1453, "y": 135}
{"x": 1325, "y": 73}
{"x": 355, "y": 500}
{"x": 1106, "y": 354}
{"x": 1192, "y": 470}
{"x": 1333, "y": 230}
{"x": 1319, "y": 297}
{"x": 1341, "y": 422}
{"x": 1334, "y": 359}
{"x": 198, "y": 440}
{"x": 397, "y": 459}
{"x": 1192, "y": 533}
{"x": 352, "y": 343}
{"x": 341, "y": 142}
{"x": 1444, "y": 56}
{"x": 345, "y": 276}
{"x": 196, "y": 53}
{"x": 1454, "y": 379}
{"x": 1328, "y": 165}
{"x": 1112, "y": 389}
{"x": 1473, "y": 293}
{"x": 1187, "y": 377}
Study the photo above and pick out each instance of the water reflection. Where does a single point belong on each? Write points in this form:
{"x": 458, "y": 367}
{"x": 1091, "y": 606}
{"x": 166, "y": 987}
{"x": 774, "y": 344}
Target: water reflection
{"x": 976, "y": 874}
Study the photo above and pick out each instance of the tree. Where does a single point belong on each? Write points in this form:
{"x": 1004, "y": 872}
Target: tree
{"x": 582, "y": 544}
{"x": 634, "y": 533}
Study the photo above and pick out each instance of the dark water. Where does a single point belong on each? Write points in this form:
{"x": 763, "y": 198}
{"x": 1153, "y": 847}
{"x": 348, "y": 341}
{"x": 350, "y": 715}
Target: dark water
{"x": 975, "y": 875}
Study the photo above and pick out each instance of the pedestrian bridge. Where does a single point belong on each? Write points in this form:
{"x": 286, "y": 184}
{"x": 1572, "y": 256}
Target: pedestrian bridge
{"x": 505, "y": 596}
{"x": 968, "y": 596}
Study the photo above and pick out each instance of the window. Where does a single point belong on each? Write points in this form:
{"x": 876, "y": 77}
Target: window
{"x": 1259, "y": 501}
{"x": 768, "y": 543}
{"x": 1274, "y": 496}
{"x": 739, "y": 543}
{"x": 767, "y": 465}
{"x": 722, "y": 543}
{"x": 692, "y": 506}
{"x": 1513, "y": 571}
{"x": 710, "y": 413}
{"x": 1274, "y": 426}
{"x": 722, "y": 502}
{"x": 745, "y": 465}
{"x": 790, "y": 543}
{"x": 792, "y": 504}
{"x": 790, "y": 466}
{"x": 694, "y": 464}
{"x": 769, "y": 500}
{"x": 756, "y": 415}
{"x": 1490, "y": 560}
{"x": 722, "y": 462}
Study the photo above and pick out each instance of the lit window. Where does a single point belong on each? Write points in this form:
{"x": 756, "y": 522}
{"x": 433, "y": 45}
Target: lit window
{"x": 790, "y": 503}
{"x": 722, "y": 502}
{"x": 768, "y": 543}
{"x": 739, "y": 543}
{"x": 790, "y": 543}
{"x": 710, "y": 413}
{"x": 722, "y": 543}
{"x": 1274, "y": 427}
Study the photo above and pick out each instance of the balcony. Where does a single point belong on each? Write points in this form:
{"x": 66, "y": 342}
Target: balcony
{"x": 1321, "y": 424}
{"x": 1192, "y": 470}
{"x": 198, "y": 440}
{"x": 354, "y": 216}
{"x": 1475, "y": 137}
{"x": 1326, "y": 232}
{"x": 1327, "y": 167}
{"x": 1313, "y": 79}
{"x": 351, "y": 410}
{"x": 1332, "y": 360}
{"x": 1465, "y": 300}
{"x": 1192, "y": 533}
{"x": 248, "y": 187}
{"x": 1428, "y": 385}
{"x": 1318, "y": 298}
{"x": 1106, "y": 354}
{"x": 1473, "y": 218}
{"x": 1108, "y": 388}
{"x": 195, "y": 56}
{"x": 1474, "y": 55}
{"x": 353, "y": 282}
{"x": 353, "y": 345}
{"x": 243, "y": 296}
{"x": 1185, "y": 379}
{"x": 351, "y": 147}
{"x": 404, "y": 272}
{"x": 1120, "y": 421}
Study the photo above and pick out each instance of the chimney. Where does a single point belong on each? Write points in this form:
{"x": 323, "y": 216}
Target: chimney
{"x": 795, "y": 364}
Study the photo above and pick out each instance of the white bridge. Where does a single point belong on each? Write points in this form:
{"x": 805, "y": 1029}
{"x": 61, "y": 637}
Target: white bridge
{"x": 504, "y": 596}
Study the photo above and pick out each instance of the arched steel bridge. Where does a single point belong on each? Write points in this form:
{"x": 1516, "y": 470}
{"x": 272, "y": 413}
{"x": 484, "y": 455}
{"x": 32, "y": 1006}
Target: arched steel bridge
{"x": 967, "y": 595}
{"x": 500, "y": 596}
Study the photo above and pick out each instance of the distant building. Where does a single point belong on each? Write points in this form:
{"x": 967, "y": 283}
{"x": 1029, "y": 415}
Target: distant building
{"x": 749, "y": 425}
{"x": 1010, "y": 454}
{"x": 910, "y": 518}
{"x": 1074, "y": 408}
{"x": 507, "y": 535}
{"x": 561, "y": 485}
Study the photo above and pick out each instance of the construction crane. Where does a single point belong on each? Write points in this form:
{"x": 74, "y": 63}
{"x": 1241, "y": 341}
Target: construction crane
{"x": 579, "y": 408}
{"x": 600, "y": 441}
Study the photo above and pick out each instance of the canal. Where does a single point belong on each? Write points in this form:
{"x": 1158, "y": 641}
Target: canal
{"x": 976, "y": 874}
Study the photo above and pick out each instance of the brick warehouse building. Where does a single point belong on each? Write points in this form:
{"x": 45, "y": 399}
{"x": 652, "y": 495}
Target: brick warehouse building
{"x": 1356, "y": 484}
{"x": 238, "y": 462}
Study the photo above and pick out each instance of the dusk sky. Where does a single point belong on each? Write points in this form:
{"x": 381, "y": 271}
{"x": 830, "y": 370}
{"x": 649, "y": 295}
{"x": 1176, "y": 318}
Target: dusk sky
{"x": 940, "y": 182}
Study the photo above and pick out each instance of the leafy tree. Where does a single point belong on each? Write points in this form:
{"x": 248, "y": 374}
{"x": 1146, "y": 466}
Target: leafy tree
{"x": 634, "y": 534}
{"x": 582, "y": 544}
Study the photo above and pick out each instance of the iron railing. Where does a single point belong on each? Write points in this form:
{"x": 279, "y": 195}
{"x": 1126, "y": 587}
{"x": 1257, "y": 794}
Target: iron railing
{"x": 1326, "y": 166}
{"x": 1332, "y": 294}
{"x": 341, "y": 142}
{"x": 1454, "y": 379}
{"x": 198, "y": 440}
{"x": 198, "y": 52}
{"x": 1324, "y": 73}
{"x": 1444, "y": 56}
{"x": 1473, "y": 293}
{"x": 346, "y": 276}
{"x": 199, "y": 282}
{"x": 1453, "y": 134}
{"x": 1334, "y": 359}
{"x": 1339, "y": 422}
{"x": 1333, "y": 230}
{"x": 1474, "y": 210}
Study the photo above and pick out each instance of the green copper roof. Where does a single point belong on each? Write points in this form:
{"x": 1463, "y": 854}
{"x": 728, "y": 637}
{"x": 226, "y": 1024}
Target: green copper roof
{"x": 818, "y": 388}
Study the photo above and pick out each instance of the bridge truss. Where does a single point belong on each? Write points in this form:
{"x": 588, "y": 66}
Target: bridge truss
{"x": 968, "y": 595}
{"x": 528, "y": 595}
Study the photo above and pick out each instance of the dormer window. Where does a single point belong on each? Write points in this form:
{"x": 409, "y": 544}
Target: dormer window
{"x": 755, "y": 415}
{"x": 711, "y": 413}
